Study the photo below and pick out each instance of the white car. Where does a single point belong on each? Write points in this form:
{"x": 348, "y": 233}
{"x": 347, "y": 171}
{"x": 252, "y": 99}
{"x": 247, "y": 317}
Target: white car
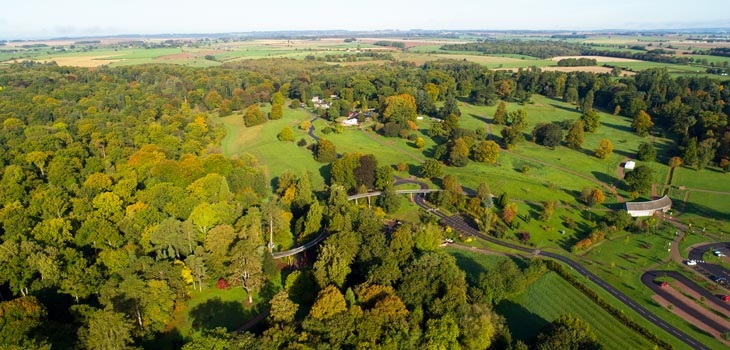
{"x": 691, "y": 263}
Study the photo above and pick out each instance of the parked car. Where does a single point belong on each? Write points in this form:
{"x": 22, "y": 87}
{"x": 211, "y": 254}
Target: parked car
{"x": 725, "y": 298}
{"x": 690, "y": 263}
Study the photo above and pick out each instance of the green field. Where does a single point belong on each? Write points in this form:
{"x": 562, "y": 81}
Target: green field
{"x": 704, "y": 209}
{"x": 276, "y": 156}
{"x": 548, "y": 298}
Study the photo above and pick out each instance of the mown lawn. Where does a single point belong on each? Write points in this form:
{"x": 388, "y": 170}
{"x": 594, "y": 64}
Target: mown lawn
{"x": 548, "y": 298}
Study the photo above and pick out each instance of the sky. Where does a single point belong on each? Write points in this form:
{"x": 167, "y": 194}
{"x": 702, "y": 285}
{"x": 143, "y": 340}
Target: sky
{"x": 41, "y": 19}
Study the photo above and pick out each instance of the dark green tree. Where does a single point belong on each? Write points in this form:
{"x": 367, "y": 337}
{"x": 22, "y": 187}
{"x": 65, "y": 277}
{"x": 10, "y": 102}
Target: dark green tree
{"x": 646, "y": 152}
{"x": 548, "y": 135}
{"x": 640, "y": 179}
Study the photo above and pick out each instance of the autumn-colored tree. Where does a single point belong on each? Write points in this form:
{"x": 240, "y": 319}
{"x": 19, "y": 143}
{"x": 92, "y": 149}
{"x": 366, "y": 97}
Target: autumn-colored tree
{"x": 400, "y": 109}
{"x": 253, "y": 116}
{"x": 432, "y": 91}
{"x": 329, "y": 303}
{"x": 226, "y": 108}
{"x": 605, "y": 148}
{"x": 305, "y": 125}
{"x": 420, "y": 143}
{"x": 486, "y": 151}
{"x": 19, "y": 318}
{"x": 38, "y": 159}
{"x": 675, "y": 162}
{"x": 597, "y": 196}
{"x": 286, "y": 134}
{"x": 509, "y": 213}
{"x": 277, "y": 112}
{"x": 277, "y": 98}
{"x": 518, "y": 119}
{"x": 642, "y": 123}
{"x": 283, "y": 309}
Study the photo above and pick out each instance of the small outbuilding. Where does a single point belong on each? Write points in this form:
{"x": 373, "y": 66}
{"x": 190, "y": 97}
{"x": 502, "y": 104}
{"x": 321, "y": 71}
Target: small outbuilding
{"x": 630, "y": 165}
{"x": 661, "y": 205}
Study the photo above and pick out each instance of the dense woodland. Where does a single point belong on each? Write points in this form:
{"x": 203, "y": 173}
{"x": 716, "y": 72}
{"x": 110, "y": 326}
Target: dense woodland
{"x": 117, "y": 205}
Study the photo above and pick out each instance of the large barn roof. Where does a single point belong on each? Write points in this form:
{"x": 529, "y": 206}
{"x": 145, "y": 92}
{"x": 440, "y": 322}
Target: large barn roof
{"x": 656, "y": 204}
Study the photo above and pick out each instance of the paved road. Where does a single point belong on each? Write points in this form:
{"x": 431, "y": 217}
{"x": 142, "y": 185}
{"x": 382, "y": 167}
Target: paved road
{"x": 712, "y": 270}
{"x": 460, "y": 225}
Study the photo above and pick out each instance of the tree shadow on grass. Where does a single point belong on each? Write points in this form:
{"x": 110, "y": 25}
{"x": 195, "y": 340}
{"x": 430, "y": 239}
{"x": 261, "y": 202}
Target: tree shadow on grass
{"x": 218, "y": 313}
{"x": 624, "y": 128}
{"x": 522, "y": 323}
{"x": 705, "y": 211}
{"x": 471, "y": 267}
{"x": 325, "y": 171}
{"x": 603, "y": 177}
{"x": 568, "y": 109}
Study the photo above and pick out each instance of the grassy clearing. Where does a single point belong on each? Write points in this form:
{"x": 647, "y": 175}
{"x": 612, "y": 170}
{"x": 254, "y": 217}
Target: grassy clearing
{"x": 548, "y": 298}
{"x": 276, "y": 156}
{"x": 474, "y": 263}
{"x": 208, "y": 309}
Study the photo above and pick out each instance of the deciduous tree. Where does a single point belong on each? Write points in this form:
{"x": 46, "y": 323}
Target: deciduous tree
{"x": 325, "y": 151}
{"x": 286, "y": 134}
{"x": 605, "y": 148}
{"x": 640, "y": 179}
{"x": 486, "y": 151}
{"x": 642, "y": 123}
{"x": 591, "y": 120}
{"x": 253, "y": 116}
{"x": 575, "y": 136}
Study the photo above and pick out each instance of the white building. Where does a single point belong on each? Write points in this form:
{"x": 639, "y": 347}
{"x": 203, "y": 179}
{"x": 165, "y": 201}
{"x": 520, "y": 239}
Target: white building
{"x": 649, "y": 208}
